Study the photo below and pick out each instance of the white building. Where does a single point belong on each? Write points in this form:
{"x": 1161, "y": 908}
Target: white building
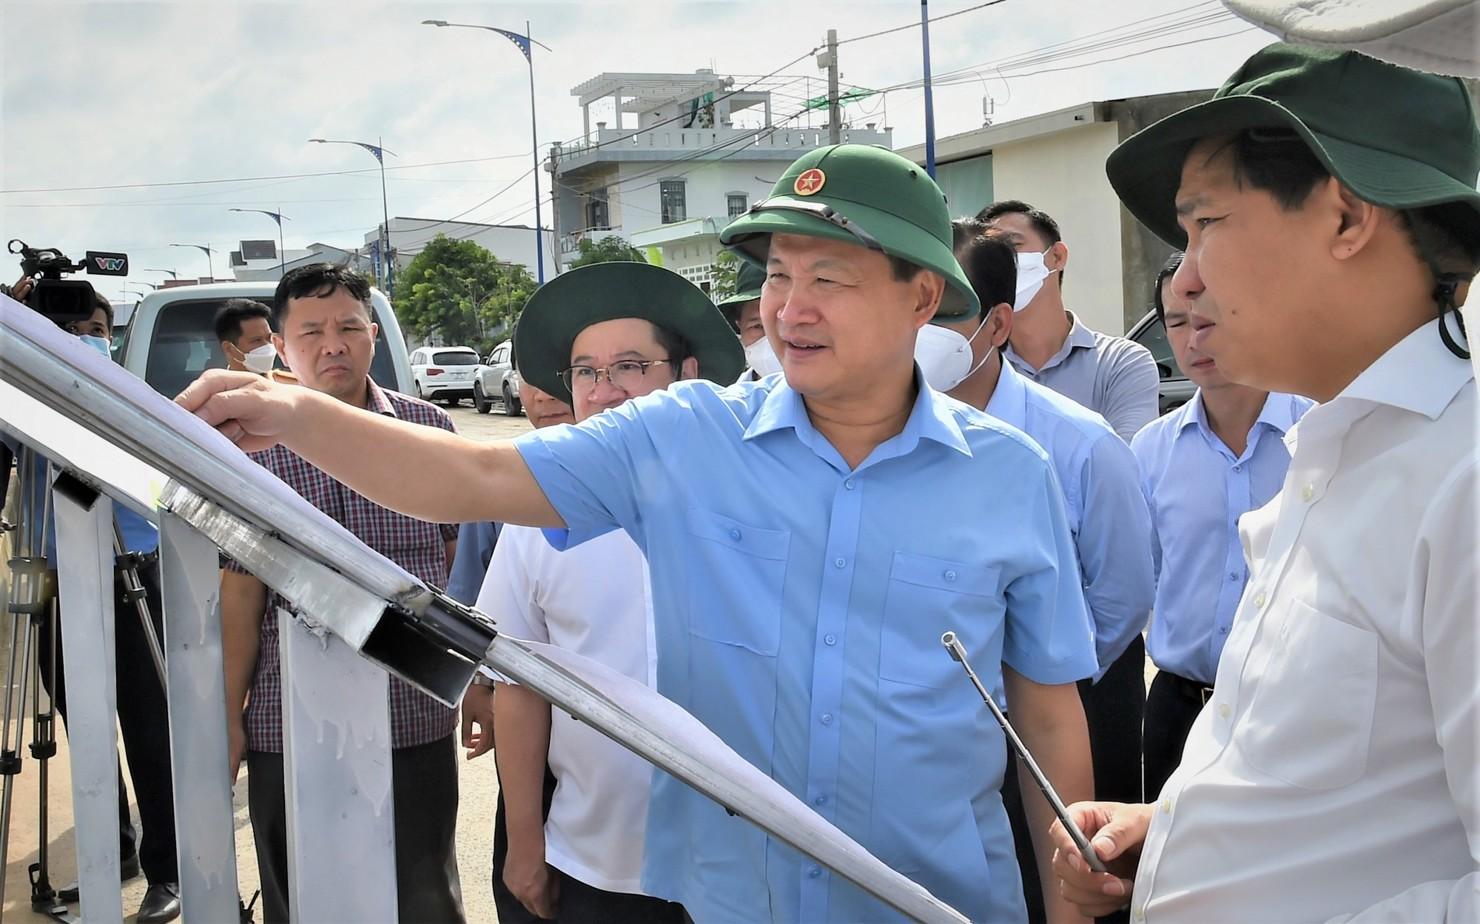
{"x": 683, "y": 155}
{"x": 1056, "y": 162}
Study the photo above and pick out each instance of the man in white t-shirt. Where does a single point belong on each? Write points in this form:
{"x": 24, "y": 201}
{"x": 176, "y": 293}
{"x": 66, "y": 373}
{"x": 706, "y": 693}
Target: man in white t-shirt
{"x": 582, "y": 342}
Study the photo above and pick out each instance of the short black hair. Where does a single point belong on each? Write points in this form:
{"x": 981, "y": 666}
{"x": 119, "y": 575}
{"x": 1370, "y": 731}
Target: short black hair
{"x": 1278, "y": 161}
{"x": 989, "y": 261}
{"x": 100, "y": 302}
{"x": 676, "y": 345}
{"x": 319, "y": 280}
{"x": 1162, "y": 275}
{"x": 902, "y": 269}
{"x": 1042, "y": 222}
{"x": 230, "y": 316}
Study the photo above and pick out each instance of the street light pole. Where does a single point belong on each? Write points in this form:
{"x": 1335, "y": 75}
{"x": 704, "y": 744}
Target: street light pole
{"x": 929, "y": 96}
{"x": 173, "y": 274}
{"x": 278, "y": 217}
{"x": 525, "y": 44}
{"x": 378, "y": 151}
{"x": 210, "y": 262}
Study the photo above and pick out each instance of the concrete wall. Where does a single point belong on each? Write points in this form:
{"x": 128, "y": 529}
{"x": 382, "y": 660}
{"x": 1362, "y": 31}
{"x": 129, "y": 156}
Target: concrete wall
{"x": 706, "y": 186}
{"x": 1143, "y": 253}
{"x": 1064, "y": 175}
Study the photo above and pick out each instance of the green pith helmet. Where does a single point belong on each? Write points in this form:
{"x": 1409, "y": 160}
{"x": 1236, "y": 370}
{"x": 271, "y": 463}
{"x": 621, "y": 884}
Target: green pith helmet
{"x": 573, "y": 301}
{"x": 748, "y": 282}
{"x": 865, "y": 195}
{"x": 1398, "y": 138}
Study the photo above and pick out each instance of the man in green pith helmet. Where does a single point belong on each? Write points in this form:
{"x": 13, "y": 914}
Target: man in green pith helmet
{"x": 810, "y": 537}
{"x": 743, "y": 311}
{"x": 1328, "y": 208}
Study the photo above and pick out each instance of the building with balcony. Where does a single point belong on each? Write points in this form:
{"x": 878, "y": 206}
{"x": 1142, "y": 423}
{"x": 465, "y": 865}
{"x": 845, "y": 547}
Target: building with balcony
{"x": 676, "y": 158}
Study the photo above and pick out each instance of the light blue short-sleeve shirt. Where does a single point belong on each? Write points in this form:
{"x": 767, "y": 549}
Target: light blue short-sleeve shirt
{"x": 799, "y": 606}
{"x": 1107, "y": 512}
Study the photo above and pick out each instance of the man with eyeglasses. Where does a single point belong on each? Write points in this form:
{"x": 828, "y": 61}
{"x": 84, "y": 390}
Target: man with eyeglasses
{"x": 809, "y": 538}
{"x": 583, "y": 342}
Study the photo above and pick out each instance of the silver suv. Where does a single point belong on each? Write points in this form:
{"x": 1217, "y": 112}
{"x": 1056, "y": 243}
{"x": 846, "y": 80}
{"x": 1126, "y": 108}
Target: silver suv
{"x": 497, "y": 380}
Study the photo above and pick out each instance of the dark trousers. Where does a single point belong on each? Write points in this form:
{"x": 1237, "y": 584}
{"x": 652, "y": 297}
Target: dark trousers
{"x": 510, "y": 910}
{"x": 424, "y": 787}
{"x": 583, "y": 904}
{"x": 1171, "y": 707}
{"x": 143, "y": 718}
{"x": 1113, "y": 710}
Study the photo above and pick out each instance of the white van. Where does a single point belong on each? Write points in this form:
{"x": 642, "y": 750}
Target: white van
{"x": 171, "y": 338}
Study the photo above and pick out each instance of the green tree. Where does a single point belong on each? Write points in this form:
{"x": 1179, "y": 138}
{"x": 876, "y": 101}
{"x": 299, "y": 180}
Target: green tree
{"x": 461, "y": 293}
{"x": 610, "y": 249}
{"x": 722, "y": 278}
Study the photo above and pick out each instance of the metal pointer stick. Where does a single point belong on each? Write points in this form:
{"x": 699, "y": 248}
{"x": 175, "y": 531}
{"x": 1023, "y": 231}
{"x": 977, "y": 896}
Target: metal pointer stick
{"x": 958, "y": 651}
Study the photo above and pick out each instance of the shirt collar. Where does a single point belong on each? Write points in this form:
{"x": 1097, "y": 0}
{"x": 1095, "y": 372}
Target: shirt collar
{"x": 1278, "y": 414}
{"x": 1080, "y": 337}
{"x": 930, "y": 418}
{"x": 1416, "y": 374}
{"x": 1009, "y": 401}
{"x": 375, "y": 400}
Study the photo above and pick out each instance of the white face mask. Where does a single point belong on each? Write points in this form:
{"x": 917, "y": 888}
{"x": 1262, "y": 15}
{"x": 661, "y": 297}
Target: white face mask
{"x": 762, "y": 358}
{"x": 1031, "y": 274}
{"x": 944, "y": 356}
{"x": 261, "y": 359}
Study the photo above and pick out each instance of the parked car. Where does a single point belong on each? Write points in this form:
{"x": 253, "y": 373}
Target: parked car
{"x": 171, "y": 337}
{"x": 443, "y": 373}
{"x": 1176, "y": 389}
{"x": 497, "y": 379}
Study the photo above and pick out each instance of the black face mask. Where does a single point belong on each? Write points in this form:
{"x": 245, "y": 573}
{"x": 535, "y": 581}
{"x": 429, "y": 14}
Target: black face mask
{"x": 1446, "y": 295}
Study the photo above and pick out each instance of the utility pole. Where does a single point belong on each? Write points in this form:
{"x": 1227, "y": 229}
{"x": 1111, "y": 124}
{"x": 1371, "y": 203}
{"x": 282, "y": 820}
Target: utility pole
{"x": 834, "y": 111}
{"x": 929, "y": 97}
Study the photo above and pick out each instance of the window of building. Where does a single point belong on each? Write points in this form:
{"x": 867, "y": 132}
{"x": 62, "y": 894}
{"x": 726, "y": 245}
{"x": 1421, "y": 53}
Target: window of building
{"x": 736, "y": 204}
{"x": 673, "y": 200}
{"x": 598, "y": 210}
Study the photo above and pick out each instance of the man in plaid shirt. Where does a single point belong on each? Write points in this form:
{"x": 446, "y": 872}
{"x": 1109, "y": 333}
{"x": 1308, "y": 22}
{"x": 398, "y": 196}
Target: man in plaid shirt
{"x": 326, "y": 336}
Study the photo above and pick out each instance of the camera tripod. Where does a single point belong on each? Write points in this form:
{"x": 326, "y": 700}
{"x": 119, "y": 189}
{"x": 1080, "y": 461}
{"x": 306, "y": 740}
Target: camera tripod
{"x": 33, "y": 608}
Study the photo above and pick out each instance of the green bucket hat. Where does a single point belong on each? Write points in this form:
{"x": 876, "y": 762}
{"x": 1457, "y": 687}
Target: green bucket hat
{"x": 860, "y": 194}
{"x": 573, "y": 301}
{"x": 1398, "y": 138}
{"x": 748, "y": 282}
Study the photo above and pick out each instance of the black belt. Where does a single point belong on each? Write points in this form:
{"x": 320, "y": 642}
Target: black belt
{"x": 1192, "y": 689}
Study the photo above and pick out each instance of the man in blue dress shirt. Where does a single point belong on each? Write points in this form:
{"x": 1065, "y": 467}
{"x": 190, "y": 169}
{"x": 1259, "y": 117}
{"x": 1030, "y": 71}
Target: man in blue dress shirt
{"x": 810, "y": 537}
{"x": 1109, "y": 520}
{"x": 1203, "y": 466}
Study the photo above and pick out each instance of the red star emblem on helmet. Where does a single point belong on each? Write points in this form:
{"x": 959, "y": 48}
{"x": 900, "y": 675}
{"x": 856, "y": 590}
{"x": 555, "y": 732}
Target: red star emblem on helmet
{"x": 809, "y": 182}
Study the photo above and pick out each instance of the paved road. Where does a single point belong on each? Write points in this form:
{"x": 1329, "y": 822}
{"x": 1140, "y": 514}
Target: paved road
{"x": 477, "y": 784}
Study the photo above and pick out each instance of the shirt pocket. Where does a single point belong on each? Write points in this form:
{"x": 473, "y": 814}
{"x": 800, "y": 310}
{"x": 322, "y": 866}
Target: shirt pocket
{"x": 1309, "y": 722}
{"x": 736, "y": 573}
{"x": 926, "y": 598}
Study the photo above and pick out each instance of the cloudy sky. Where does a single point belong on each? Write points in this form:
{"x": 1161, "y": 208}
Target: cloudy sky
{"x": 121, "y": 119}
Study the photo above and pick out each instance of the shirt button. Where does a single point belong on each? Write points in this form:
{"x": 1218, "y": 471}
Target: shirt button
{"x": 1223, "y": 711}
{"x": 830, "y": 639}
{"x": 1259, "y": 600}
{"x": 1307, "y": 492}
{"x": 1166, "y": 806}
{"x": 1233, "y": 575}
{"x": 1238, "y": 468}
{"x": 827, "y": 718}
{"x": 840, "y": 562}
{"x": 814, "y": 872}
{"x": 848, "y": 484}
{"x": 950, "y": 575}
{"x": 735, "y": 534}
{"x": 820, "y": 800}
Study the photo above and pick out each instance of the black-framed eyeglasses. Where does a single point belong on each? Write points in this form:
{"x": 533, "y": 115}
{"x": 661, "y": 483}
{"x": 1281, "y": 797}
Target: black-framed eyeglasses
{"x": 823, "y": 211}
{"x": 625, "y": 374}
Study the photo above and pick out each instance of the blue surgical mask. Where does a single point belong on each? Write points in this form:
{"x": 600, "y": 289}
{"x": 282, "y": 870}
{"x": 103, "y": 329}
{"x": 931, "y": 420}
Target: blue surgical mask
{"x": 97, "y": 343}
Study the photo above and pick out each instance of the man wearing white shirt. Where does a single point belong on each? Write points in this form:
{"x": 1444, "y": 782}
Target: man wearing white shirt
{"x": 1330, "y": 216}
{"x": 597, "y": 337}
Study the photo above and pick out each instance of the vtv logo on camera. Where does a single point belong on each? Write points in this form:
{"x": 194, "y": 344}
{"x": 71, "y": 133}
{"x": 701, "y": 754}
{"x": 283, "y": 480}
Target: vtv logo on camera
{"x": 104, "y": 263}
